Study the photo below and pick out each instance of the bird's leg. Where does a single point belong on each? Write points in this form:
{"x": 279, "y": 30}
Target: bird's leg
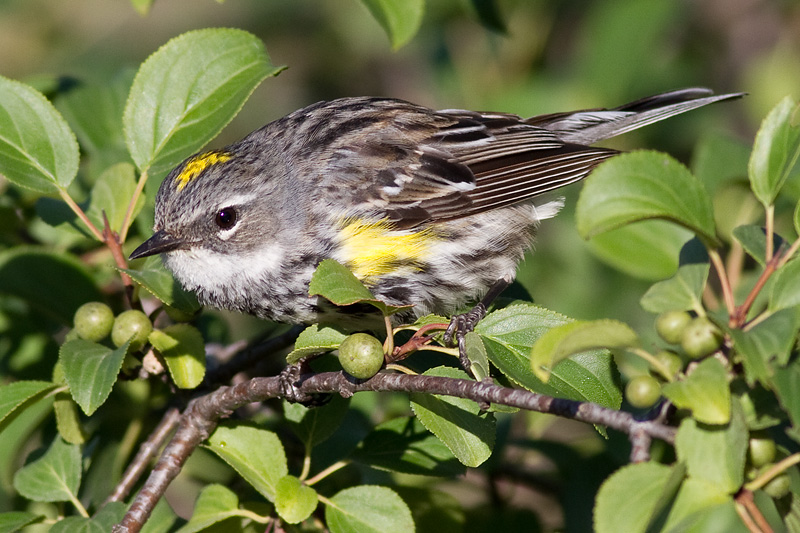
{"x": 460, "y": 325}
{"x": 289, "y": 378}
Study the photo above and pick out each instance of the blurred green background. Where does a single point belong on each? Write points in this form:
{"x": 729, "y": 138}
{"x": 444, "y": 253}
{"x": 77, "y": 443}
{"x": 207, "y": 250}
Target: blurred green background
{"x": 549, "y": 56}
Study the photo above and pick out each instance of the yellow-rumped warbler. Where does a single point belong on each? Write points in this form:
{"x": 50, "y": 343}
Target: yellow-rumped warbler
{"x": 428, "y": 208}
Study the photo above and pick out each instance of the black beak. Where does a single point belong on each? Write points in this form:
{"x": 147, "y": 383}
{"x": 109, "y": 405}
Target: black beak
{"x": 160, "y": 242}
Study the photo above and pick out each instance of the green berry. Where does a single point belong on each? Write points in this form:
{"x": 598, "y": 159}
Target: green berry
{"x": 671, "y": 324}
{"x": 671, "y": 361}
{"x": 761, "y": 450}
{"x": 93, "y": 321}
{"x": 133, "y": 325}
{"x": 701, "y": 338}
{"x": 643, "y": 391}
{"x": 361, "y": 355}
{"x": 779, "y": 486}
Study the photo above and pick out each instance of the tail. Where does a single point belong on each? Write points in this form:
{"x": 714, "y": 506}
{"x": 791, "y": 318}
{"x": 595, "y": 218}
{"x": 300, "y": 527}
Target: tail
{"x": 593, "y": 125}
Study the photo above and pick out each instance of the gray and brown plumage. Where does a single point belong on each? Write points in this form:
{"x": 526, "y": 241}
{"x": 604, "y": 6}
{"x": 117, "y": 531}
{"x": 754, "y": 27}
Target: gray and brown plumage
{"x": 429, "y": 208}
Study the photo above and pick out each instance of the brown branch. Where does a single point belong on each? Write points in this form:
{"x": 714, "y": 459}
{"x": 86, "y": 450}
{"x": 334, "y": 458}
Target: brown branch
{"x": 201, "y": 416}
{"x": 112, "y": 240}
{"x": 146, "y": 452}
{"x": 739, "y": 316}
{"x": 750, "y": 514}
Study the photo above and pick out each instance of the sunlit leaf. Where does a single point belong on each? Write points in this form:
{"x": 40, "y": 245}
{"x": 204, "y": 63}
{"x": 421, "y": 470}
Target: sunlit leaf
{"x": 775, "y": 151}
{"x": 575, "y": 337}
{"x": 644, "y": 185}
{"x": 459, "y": 423}
{"x": 236, "y": 445}
{"x": 91, "y": 370}
{"x": 53, "y": 477}
{"x": 315, "y": 339}
{"x": 334, "y": 282}
{"x": 187, "y": 91}
{"x": 400, "y": 19}
{"x": 184, "y": 352}
{"x": 683, "y": 291}
{"x": 715, "y": 454}
{"x": 509, "y": 334}
{"x": 37, "y": 148}
{"x": 705, "y": 391}
{"x": 368, "y": 509}
{"x": 294, "y": 501}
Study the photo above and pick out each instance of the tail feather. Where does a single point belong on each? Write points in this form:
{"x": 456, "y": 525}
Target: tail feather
{"x": 593, "y": 125}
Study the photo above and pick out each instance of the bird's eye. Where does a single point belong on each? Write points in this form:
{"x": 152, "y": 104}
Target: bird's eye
{"x": 226, "y": 217}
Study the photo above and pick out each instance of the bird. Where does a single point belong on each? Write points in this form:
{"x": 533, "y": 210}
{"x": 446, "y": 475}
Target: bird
{"x": 429, "y": 209}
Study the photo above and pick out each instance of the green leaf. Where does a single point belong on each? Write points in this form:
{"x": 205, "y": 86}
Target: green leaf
{"x": 476, "y": 353}
{"x": 400, "y": 19}
{"x": 91, "y": 370}
{"x": 403, "y": 445}
{"x": 57, "y": 284}
{"x": 184, "y": 352}
{"x": 294, "y": 501}
{"x": 715, "y": 454}
{"x": 681, "y": 292}
{"x": 705, "y": 391}
{"x": 187, "y": 91}
{"x": 575, "y": 337}
{"x": 236, "y": 445}
{"x": 754, "y": 241}
{"x": 334, "y": 282}
{"x": 67, "y": 420}
{"x": 214, "y": 504}
{"x": 630, "y": 497}
{"x": 15, "y": 395}
{"x": 94, "y": 112}
{"x": 160, "y": 283}
{"x": 16, "y": 520}
{"x": 142, "y": 6}
{"x": 102, "y": 522}
{"x": 368, "y": 509}
{"x": 775, "y": 151}
{"x": 313, "y": 340}
{"x": 53, "y": 477}
{"x": 701, "y": 506}
{"x": 719, "y": 158}
{"x": 785, "y": 291}
{"x": 315, "y": 425}
{"x": 797, "y": 218}
{"x": 37, "y": 149}
{"x": 509, "y": 334}
{"x": 787, "y": 389}
{"x": 647, "y": 250}
{"x": 643, "y": 185}
{"x": 466, "y": 430}
{"x": 770, "y": 339}
{"x": 112, "y": 192}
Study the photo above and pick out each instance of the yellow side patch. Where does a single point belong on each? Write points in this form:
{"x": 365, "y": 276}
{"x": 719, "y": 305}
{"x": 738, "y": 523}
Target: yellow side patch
{"x": 198, "y": 164}
{"x": 372, "y": 249}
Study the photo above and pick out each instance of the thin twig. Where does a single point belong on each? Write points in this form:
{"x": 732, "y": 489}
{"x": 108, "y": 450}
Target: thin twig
{"x": 738, "y": 318}
{"x": 727, "y": 292}
{"x": 750, "y": 513}
{"x": 127, "y": 221}
{"x": 146, "y": 452}
{"x": 81, "y": 214}
{"x": 112, "y": 240}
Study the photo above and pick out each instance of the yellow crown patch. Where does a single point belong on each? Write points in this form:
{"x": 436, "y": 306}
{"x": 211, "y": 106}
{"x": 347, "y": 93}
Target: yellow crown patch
{"x": 198, "y": 164}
